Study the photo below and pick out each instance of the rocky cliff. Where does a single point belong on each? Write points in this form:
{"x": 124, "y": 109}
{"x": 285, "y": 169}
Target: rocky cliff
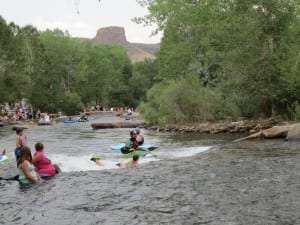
{"x": 116, "y": 36}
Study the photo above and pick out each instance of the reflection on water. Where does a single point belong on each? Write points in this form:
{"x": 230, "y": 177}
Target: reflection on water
{"x": 254, "y": 182}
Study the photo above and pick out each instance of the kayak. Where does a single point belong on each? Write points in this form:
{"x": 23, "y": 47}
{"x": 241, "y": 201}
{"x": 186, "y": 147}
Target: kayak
{"x": 70, "y": 121}
{"x": 143, "y": 147}
{"x": 82, "y": 121}
{"x": 140, "y": 153}
{"x": 75, "y": 121}
{"x": 3, "y": 159}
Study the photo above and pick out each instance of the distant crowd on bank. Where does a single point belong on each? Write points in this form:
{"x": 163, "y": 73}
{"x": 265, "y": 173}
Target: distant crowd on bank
{"x": 14, "y": 112}
{"x": 118, "y": 110}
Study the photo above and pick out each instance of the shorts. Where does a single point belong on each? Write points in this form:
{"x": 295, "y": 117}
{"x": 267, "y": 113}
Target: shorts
{"x": 17, "y": 153}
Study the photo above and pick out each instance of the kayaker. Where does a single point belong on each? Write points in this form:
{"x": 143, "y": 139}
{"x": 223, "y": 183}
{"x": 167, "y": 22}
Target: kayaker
{"x": 130, "y": 144}
{"x": 44, "y": 165}
{"x": 139, "y": 138}
{"x": 131, "y": 163}
{"x": 27, "y": 171}
{"x": 83, "y": 118}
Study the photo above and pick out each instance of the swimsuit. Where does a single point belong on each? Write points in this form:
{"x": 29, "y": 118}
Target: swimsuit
{"x": 23, "y": 179}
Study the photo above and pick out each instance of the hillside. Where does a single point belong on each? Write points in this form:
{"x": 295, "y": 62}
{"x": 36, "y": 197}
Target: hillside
{"x": 116, "y": 36}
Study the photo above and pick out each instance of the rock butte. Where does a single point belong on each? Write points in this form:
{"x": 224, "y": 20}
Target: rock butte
{"x": 116, "y": 36}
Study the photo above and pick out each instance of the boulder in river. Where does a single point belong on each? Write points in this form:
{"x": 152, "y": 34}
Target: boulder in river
{"x": 294, "y": 132}
{"x": 275, "y": 132}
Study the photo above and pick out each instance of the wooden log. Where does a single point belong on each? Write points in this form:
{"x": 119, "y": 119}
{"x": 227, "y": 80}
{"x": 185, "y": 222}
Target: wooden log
{"x": 43, "y": 124}
{"x": 122, "y": 124}
{"x": 19, "y": 127}
{"x": 252, "y": 136}
{"x": 273, "y": 132}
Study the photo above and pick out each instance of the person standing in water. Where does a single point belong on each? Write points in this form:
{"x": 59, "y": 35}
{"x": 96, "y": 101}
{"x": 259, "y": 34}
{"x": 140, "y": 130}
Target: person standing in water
{"x": 20, "y": 142}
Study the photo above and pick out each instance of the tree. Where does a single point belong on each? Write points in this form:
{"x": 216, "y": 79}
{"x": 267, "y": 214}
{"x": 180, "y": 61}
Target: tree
{"x": 243, "y": 49}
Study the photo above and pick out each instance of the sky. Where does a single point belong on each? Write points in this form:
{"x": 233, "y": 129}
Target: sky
{"x": 82, "y": 18}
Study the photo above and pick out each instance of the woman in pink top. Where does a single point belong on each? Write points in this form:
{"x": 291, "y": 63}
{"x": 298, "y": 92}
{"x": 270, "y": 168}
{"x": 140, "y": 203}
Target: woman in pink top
{"x": 42, "y": 163}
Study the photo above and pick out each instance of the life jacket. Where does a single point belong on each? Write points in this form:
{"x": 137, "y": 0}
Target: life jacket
{"x": 139, "y": 139}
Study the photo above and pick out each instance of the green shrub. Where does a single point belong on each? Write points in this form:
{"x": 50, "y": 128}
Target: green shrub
{"x": 71, "y": 104}
{"x": 297, "y": 112}
{"x": 185, "y": 100}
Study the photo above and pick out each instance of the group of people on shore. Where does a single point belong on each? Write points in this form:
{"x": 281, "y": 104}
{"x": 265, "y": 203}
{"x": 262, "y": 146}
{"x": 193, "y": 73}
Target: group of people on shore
{"x": 15, "y": 112}
{"x": 32, "y": 168}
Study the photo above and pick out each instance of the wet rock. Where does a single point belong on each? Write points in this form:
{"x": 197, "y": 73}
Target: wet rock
{"x": 275, "y": 132}
{"x": 294, "y": 132}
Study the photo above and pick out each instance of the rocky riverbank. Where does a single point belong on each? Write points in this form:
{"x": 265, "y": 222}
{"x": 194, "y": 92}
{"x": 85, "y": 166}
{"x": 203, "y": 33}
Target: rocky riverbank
{"x": 240, "y": 126}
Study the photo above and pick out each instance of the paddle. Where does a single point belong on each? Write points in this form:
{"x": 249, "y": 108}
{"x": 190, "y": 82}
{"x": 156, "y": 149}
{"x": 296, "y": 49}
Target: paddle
{"x": 15, "y": 178}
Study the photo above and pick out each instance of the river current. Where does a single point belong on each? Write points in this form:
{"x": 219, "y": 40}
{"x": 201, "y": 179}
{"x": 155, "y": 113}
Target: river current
{"x": 189, "y": 179}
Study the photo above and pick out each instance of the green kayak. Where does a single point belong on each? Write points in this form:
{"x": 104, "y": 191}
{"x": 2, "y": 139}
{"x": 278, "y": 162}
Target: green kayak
{"x": 140, "y": 153}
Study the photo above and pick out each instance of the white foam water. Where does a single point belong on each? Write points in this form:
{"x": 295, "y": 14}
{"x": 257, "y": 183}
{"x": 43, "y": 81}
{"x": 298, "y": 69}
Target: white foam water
{"x": 182, "y": 152}
{"x": 69, "y": 163}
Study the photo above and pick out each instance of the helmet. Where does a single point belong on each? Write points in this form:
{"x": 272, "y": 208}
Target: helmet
{"x": 137, "y": 130}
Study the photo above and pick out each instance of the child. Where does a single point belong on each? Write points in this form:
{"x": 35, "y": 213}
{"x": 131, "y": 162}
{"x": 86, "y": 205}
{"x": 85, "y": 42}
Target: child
{"x": 19, "y": 143}
{"x": 42, "y": 163}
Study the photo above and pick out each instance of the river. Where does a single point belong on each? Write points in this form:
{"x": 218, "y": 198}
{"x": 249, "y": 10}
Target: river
{"x": 189, "y": 179}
